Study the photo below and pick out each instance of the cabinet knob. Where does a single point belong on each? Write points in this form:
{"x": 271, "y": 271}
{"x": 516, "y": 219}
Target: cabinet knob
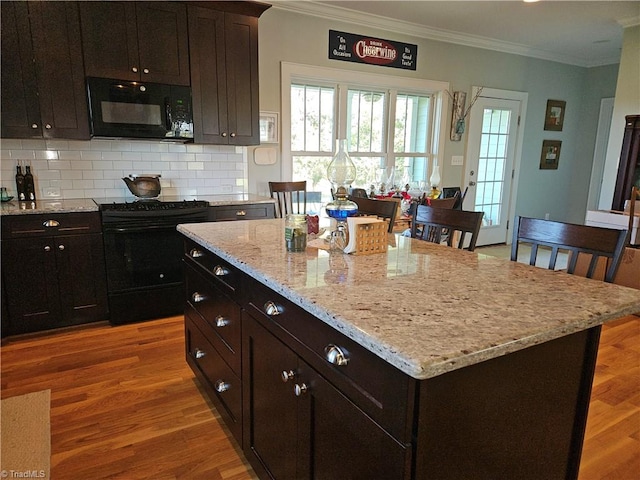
{"x": 197, "y": 297}
{"x": 48, "y": 126}
{"x": 222, "y": 386}
{"x": 50, "y": 223}
{"x": 60, "y": 247}
{"x": 221, "y": 321}
{"x": 199, "y": 353}
{"x": 145, "y": 70}
{"x": 287, "y": 375}
{"x": 300, "y": 389}
{"x": 335, "y": 355}
{"x": 196, "y": 253}
{"x": 220, "y": 271}
{"x": 34, "y": 125}
{"x": 47, "y": 248}
{"x": 224, "y": 134}
{"x": 271, "y": 309}
{"x": 134, "y": 69}
{"x": 241, "y": 213}
{"x": 233, "y": 135}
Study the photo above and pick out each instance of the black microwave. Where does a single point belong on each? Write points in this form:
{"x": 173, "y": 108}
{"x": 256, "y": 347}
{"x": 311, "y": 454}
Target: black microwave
{"x": 139, "y": 110}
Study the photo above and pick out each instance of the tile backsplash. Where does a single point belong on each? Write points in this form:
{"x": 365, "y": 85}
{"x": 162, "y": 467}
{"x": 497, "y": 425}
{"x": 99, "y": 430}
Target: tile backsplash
{"x": 94, "y": 168}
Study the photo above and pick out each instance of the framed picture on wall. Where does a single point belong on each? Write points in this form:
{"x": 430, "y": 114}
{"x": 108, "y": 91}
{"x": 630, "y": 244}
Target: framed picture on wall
{"x": 554, "y": 118}
{"x": 269, "y": 127}
{"x": 550, "y": 154}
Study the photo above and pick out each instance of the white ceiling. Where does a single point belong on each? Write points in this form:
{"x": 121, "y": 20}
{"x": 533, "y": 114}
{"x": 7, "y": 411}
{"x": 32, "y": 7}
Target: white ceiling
{"x": 584, "y": 33}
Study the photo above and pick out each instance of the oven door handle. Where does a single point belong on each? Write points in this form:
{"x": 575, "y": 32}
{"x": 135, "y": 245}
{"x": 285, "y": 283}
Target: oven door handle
{"x": 144, "y": 229}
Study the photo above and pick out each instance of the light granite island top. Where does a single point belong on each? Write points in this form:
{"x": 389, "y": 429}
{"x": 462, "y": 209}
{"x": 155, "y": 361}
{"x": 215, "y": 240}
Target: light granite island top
{"x": 426, "y": 309}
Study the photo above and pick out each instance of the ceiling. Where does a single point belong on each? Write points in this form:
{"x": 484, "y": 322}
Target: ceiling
{"x": 584, "y": 33}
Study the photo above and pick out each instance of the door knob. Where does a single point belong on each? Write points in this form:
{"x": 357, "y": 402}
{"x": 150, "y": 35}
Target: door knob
{"x": 472, "y": 183}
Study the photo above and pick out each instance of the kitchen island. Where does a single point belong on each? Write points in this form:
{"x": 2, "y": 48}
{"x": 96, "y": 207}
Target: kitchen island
{"x": 422, "y": 362}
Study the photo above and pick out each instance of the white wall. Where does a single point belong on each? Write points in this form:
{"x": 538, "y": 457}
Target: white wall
{"x": 627, "y": 102}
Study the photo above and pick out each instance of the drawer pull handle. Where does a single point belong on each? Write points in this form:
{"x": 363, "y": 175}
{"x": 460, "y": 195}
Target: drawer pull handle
{"x": 51, "y": 223}
{"x": 220, "y": 271}
{"x": 199, "y": 353}
{"x": 335, "y": 355}
{"x": 287, "y": 375}
{"x": 221, "y": 386}
{"x": 196, "y": 253}
{"x": 221, "y": 321}
{"x": 271, "y": 309}
{"x": 300, "y": 389}
{"x": 240, "y": 213}
{"x": 197, "y": 297}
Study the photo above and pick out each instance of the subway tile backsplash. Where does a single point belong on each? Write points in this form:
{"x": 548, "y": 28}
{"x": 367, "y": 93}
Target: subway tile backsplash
{"x": 94, "y": 169}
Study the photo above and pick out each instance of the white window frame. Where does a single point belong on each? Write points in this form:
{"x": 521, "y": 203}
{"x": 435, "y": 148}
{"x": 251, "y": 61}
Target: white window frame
{"x": 296, "y": 73}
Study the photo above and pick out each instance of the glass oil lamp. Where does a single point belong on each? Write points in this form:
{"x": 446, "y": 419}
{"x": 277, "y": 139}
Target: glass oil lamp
{"x": 341, "y": 172}
{"x": 434, "y": 180}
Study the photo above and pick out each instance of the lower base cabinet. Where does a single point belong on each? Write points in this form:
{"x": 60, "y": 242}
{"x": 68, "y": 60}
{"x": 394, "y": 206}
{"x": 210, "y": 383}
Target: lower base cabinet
{"x": 297, "y": 425}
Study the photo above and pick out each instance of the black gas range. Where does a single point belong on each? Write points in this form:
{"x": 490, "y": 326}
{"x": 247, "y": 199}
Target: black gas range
{"x": 143, "y": 254}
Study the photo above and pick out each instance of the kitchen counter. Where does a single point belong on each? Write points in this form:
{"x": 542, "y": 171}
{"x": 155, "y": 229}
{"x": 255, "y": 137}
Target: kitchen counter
{"x": 89, "y": 205}
{"x": 424, "y": 308}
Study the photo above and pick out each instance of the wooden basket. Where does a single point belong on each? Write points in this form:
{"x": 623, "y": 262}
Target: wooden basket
{"x": 371, "y": 238}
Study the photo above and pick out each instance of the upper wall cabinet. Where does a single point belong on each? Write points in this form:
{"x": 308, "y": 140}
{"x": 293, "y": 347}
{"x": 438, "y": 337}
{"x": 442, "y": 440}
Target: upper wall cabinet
{"x": 43, "y": 93}
{"x": 137, "y": 41}
{"x": 224, "y": 76}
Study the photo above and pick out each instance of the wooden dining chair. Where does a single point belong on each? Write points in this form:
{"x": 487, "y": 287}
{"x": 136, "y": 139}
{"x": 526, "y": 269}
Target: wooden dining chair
{"x": 291, "y": 197}
{"x": 359, "y": 192}
{"x": 438, "y": 225}
{"x": 598, "y": 242}
{"x": 635, "y": 196}
{"x": 385, "y": 209}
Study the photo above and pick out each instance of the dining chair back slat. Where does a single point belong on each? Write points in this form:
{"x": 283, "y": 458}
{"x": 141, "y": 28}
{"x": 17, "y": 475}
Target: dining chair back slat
{"x": 291, "y": 197}
{"x": 598, "y": 242}
{"x": 385, "y": 209}
{"x": 444, "y": 224}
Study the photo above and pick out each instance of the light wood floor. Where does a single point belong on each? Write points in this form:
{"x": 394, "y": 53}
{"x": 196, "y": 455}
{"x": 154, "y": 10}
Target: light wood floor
{"x": 125, "y": 405}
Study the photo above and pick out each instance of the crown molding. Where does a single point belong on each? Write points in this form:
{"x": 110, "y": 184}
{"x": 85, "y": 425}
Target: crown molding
{"x": 629, "y": 22}
{"x": 431, "y": 33}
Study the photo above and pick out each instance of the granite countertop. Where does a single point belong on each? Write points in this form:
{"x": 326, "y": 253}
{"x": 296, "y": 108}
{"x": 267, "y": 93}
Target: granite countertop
{"x": 425, "y": 308}
{"x": 15, "y": 207}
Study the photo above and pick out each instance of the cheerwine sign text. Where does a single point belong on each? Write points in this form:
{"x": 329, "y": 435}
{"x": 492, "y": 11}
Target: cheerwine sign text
{"x": 374, "y": 51}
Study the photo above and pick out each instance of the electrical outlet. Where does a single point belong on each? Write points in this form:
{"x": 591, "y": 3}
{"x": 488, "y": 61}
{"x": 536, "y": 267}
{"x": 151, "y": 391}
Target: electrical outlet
{"x": 457, "y": 160}
{"x": 51, "y": 192}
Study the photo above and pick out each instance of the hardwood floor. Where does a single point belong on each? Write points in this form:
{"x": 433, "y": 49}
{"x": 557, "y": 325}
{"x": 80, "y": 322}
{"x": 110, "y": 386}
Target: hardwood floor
{"x": 125, "y": 405}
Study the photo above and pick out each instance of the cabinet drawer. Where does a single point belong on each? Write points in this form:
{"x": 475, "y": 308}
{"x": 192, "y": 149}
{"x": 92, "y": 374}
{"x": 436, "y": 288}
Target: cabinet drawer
{"x": 222, "y": 382}
{"x": 220, "y": 272}
{"x": 381, "y": 390}
{"x": 218, "y": 316}
{"x": 241, "y": 212}
{"x": 38, "y": 225}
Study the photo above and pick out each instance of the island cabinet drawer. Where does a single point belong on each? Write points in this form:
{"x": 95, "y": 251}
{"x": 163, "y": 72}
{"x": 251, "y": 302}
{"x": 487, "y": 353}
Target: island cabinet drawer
{"x": 221, "y": 272}
{"x": 382, "y": 391}
{"x": 252, "y": 211}
{"x": 224, "y": 386}
{"x": 219, "y": 316}
{"x": 38, "y": 225}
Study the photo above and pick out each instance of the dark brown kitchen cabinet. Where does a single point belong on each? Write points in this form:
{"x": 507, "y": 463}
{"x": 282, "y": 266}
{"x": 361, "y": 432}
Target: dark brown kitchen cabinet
{"x": 224, "y": 76}
{"x": 252, "y": 211}
{"x": 319, "y": 432}
{"x": 629, "y": 165}
{"x": 53, "y": 270}
{"x": 43, "y": 91}
{"x": 137, "y": 41}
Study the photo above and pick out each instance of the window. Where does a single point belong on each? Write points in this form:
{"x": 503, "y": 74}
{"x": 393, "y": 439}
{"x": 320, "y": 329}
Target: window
{"x": 393, "y": 126}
